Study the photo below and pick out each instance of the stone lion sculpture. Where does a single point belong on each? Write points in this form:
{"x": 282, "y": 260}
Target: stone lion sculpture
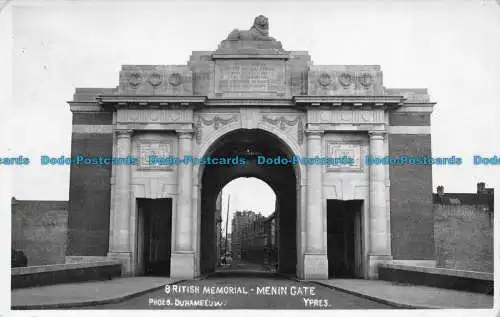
{"x": 258, "y": 32}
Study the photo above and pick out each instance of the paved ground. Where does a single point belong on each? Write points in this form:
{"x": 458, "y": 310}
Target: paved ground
{"x": 149, "y": 293}
{"x": 415, "y": 296}
{"x": 244, "y": 266}
{"x": 88, "y": 293}
{"x": 248, "y": 293}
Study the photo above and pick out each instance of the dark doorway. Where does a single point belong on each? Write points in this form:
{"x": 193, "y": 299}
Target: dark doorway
{"x": 344, "y": 238}
{"x": 155, "y": 234}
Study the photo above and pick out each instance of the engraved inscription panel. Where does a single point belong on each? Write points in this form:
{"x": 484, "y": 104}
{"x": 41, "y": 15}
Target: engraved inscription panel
{"x": 248, "y": 76}
{"x": 342, "y": 149}
{"x": 145, "y": 149}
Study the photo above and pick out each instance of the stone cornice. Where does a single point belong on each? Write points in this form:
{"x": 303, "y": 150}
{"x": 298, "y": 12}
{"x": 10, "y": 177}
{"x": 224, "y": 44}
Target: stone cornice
{"x": 84, "y": 106}
{"x": 383, "y": 102}
{"x": 139, "y": 101}
{"x": 283, "y": 56}
{"x": 256, "y": 102}
{"x": 417, "y": 107}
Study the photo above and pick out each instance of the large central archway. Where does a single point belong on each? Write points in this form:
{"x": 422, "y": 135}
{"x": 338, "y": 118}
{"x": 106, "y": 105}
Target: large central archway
{"x": 249, "y": 144}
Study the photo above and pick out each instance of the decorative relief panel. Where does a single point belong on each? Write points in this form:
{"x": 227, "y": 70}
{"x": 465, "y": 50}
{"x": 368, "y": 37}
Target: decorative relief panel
{"x": 283, "y": 122}
{"x": 147, "y": 148}
{"x": 345, "y": 80}
{"x": 352, "y": 150}
{"x": 143, "y": 79}
{"x": 250, "y": 77}
{"x": 153, "y": 116}
{"x": 214, "y": 121}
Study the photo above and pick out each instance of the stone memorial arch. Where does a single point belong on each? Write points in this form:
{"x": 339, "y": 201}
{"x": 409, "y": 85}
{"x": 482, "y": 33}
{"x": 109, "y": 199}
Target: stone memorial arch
{"x": 251, "y": 97}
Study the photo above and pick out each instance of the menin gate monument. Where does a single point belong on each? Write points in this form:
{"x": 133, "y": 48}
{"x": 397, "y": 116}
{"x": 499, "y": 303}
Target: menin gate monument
{"x": 251, "y": 97}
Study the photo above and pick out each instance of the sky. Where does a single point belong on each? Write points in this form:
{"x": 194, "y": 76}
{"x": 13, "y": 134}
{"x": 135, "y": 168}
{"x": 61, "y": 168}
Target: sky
{"x": 451, "y": 48}
{"x": 247, "y": 193}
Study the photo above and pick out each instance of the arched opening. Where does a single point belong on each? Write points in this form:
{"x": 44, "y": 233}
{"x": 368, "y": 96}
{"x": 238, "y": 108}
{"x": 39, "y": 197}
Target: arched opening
{"x": 246, "y": 226}
{"x": 249, "y": 145}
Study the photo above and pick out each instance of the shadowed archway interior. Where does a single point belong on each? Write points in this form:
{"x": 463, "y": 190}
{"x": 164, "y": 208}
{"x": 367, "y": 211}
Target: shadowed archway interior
{"x": 250, "y": 144}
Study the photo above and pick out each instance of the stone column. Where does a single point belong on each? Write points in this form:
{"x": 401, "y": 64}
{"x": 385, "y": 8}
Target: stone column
{"x": 120, "y": 247}
{"x": 379, "y": 240}
{"x": 315, "y": 255}
{"x": 182, "y": 261}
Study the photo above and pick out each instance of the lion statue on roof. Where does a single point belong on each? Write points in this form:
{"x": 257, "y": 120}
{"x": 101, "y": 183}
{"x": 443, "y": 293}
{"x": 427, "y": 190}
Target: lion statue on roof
{"x": 258, "y": 32}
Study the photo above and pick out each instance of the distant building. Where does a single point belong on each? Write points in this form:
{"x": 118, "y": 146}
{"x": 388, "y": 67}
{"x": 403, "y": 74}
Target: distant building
{"x": 241, "y": 220}
{"x": 463, "y": 229}
{"x": 254, "y": 237}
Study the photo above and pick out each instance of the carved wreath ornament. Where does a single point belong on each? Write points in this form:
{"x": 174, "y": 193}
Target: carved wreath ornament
{"x": 345, "y": 79}
{"x": 324, "y": 79}
{"x": 135, "y": 78}
{"x": 155, "y": 79}
{"x": 174, "y": 79}
{"x": 366, "y": 79}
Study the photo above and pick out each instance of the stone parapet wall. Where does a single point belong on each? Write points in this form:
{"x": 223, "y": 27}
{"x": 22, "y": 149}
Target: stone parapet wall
{"x": 39, "y": 229}
{"x": 464, "y": 237}
{"x": 64, "y": 273}
{"x": 477, "y": 282}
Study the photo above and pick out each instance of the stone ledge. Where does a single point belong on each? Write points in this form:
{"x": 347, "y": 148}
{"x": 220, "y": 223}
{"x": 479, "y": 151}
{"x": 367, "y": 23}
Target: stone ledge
{"x": 71, "y": 259}
{"x": 64, "y": 273}
{"x": 86, "y": 294}
{"x": 60, "y": 267}
{"x": 477, "y": 282}
{"x": 442, "y": 271}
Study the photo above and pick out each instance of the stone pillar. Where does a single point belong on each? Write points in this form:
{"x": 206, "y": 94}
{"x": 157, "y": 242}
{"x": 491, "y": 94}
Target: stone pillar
{"x": 120, "y": 247}
{"x": 182, "y": 261}
{"x": 315, "y": 255}
{"x": 379, "y": 240}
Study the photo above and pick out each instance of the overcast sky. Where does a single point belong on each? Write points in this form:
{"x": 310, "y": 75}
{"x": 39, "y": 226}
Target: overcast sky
{"x": 451, "y": 48}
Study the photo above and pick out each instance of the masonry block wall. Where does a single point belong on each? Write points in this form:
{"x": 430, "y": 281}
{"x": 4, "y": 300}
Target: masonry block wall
{"x": 39, "y": 229}
{"x": 412, "y": 220}
{"x": 464, "y": 237}
{"x": 90, "y": 185}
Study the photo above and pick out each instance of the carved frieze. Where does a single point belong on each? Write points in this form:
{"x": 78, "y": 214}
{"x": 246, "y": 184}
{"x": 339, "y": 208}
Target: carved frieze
{"x": 153, "y": 116}
{"x": 282, "y": 122}
{"x": 347, "y": 116}
{"x": 216, "y": 122}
